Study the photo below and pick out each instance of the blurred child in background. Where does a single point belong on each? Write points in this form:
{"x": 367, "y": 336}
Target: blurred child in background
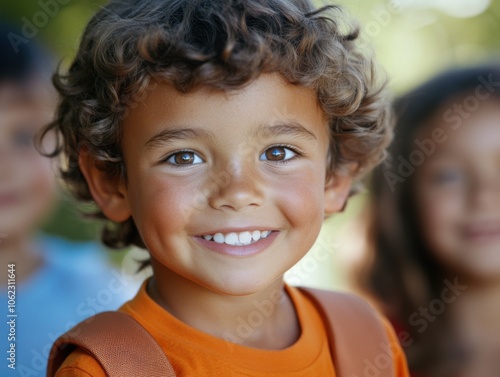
{"x": 57, "y": 283}
{"x": 436, "y": 225}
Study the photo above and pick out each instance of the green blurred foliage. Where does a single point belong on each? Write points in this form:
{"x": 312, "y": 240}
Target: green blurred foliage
{"x": 416, "y": 39}
{"x": 69, "y": 219}
{"x": 412, "y": 43}
{"x": 62, "y": 31}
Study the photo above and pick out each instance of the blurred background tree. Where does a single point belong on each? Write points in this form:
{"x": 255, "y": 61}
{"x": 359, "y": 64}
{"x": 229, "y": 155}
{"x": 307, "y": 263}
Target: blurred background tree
{"x": 415, "y": 39}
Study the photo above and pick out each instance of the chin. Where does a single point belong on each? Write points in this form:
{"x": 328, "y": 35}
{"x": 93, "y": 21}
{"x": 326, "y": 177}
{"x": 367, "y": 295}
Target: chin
{"x": 240, "y": 288}
{"x": 480, "y": 274}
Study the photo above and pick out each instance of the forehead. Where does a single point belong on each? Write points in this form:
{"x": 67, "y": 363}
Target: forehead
{"x": 266, "y": 100}
{"x": 473, "y": 133}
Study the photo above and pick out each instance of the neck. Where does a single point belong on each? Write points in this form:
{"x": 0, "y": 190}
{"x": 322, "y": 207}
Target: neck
{"x": 264, "y": 319}
{"x": 476, "y": 315}
{"x": 20, "y": 250}
{"x": 479, "y": 308}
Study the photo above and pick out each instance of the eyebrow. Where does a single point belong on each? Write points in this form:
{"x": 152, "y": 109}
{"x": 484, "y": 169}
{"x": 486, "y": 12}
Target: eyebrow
{"x": 292, "y": 129}
{"x": 165, "y": 136}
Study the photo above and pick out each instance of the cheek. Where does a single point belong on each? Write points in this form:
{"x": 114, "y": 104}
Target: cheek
{"x": 36, "y": 183}
{"x": 440, "y": 211}
{"x": 43, "y": 184}
{"x": 160, "y": 205}
{"x": 301, "y": 198}
{"x": 36, "y": 175}
{"x": 440, "y": 216}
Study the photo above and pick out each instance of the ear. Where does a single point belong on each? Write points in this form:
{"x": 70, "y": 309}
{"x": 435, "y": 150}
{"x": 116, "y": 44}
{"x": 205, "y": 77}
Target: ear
{"x": 337, "y": 190}
{"x": 110, "y": 194}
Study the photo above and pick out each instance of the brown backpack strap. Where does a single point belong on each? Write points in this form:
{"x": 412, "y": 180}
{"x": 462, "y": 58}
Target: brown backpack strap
{"x": 358, "y": 340}
{"x": 118, "y": 342}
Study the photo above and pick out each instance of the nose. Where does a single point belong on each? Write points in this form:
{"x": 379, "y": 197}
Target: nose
{"x": 239, "y": 188}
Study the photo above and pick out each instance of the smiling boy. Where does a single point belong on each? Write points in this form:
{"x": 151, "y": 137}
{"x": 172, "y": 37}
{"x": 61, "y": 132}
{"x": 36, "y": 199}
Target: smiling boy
{"x": 165, "y": 97}
{"x": 276, "y": 185}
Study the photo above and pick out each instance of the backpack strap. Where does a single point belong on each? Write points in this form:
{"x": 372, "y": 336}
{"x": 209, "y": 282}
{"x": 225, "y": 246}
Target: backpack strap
{"x": 357, "y": 338}
{"x": 130, "y": 353}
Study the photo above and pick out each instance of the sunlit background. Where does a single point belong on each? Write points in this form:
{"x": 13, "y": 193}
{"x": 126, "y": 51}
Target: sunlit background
{"x": 413, "y": 40}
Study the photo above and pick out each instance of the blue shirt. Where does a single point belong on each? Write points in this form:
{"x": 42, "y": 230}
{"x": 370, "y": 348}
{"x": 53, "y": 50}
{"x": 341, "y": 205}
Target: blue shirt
{"x": 74, "y": 283}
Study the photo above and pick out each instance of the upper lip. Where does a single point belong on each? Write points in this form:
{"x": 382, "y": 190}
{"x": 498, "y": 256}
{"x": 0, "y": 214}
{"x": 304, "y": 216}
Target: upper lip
{"x": 9, "y": 195}
{"x": 236, "y": 230}
{"x": 482, "y": 228}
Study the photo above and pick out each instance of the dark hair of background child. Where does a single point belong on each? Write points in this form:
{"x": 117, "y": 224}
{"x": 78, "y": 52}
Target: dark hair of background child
{"x": 401, "y": 272}
{"x": 30, "y": 62}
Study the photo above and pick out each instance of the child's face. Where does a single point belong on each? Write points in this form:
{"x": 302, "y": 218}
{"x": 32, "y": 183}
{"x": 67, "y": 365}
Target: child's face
{"x": 458, "y": 193}
{"x": 27, "y": 180}
{"x": 232, "y": 166}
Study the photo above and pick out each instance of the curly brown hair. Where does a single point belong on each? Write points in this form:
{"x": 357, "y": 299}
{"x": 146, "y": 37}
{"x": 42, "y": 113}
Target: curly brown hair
{"x": 222, "y": 44}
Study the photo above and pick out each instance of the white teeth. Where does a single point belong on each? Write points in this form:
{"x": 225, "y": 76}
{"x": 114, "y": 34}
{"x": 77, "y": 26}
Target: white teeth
{"x": 219, "y": 237}
{"x": 245, "y": 238}
{"x": 238, "y": 239}
{"x": 231, "y": 239}
{"x": 256, "y": 235}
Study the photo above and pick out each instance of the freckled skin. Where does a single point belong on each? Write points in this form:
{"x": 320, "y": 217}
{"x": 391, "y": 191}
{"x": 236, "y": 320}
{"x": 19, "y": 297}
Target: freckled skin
{"x": 169, "y": 210}
{"x": 230, "y": 183}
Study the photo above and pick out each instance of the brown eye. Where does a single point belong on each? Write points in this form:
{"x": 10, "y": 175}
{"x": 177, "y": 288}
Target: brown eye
{"x": 23, "y": 139}
{"x": 184, "y": 158}
{"x": 277, "y": 154}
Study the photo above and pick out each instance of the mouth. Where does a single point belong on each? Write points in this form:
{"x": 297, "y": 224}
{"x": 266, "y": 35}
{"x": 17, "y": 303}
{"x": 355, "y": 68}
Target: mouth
{"x": 237, "y": 238}
{"x": 9, "y": 199}
{"x": 483, "y": 232}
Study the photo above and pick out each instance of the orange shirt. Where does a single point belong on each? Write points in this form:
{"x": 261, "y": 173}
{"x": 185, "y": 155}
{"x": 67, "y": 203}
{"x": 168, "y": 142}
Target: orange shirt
{"x": 195, "y": 353}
